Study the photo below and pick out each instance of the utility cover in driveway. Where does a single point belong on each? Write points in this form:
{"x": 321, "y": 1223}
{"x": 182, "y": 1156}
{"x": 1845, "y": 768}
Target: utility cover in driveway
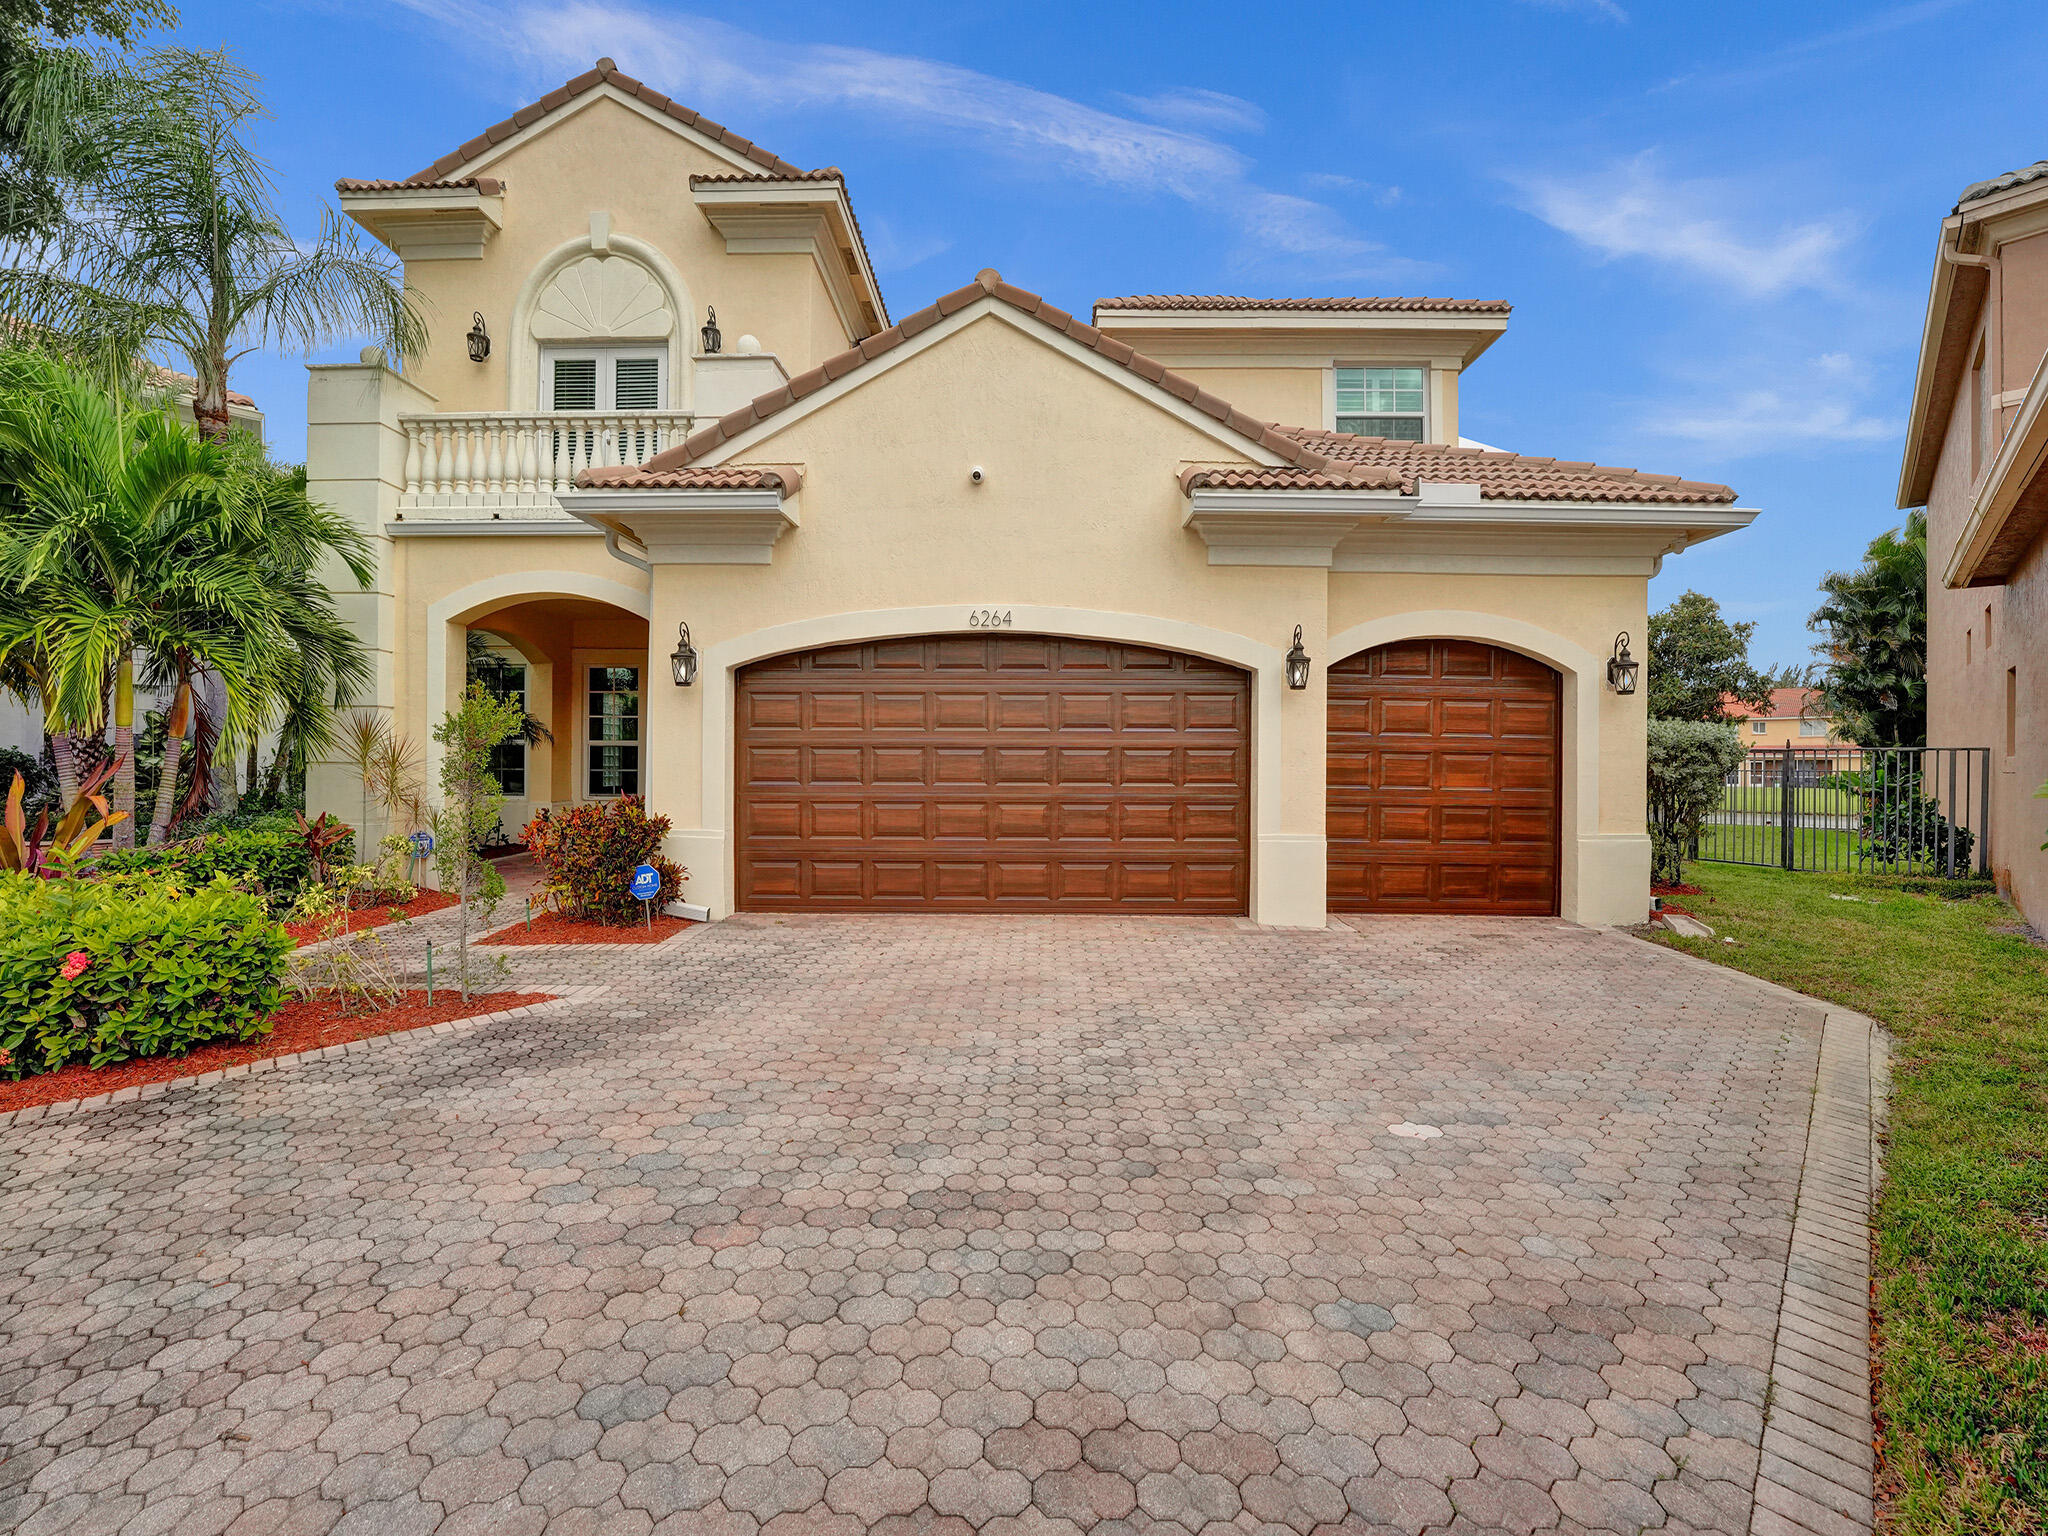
{"x": 976, "y": 773}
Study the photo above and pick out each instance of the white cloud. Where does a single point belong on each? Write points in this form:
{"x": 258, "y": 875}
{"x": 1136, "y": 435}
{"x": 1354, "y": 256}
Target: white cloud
{"x": 1606, "y": 8}
{"x": 1200, "y": 110}
{"x": 1810, "y": 402}
{"x": 897, "y": 250}
{"x": 739, "y": 76}
{"x": 1384, "y": 194}
{"x": 1634, "y": 210}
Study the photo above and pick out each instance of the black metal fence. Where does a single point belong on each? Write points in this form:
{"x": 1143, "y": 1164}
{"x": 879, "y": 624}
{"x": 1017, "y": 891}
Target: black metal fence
{"x": 1882, "y": 810}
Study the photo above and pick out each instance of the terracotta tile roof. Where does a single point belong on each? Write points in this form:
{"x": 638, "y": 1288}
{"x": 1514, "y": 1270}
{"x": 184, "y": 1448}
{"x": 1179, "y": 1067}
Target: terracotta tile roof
{"x": 1238, "y": 301}
{"x": 489, "y": 186}
{"x": 987, "y": 284}
{"x": 787, "y": 478}
{"x": 1259, "y": 477}
{"x": 823, "y": 173}
{"x": 171, "y": 378}
{"x": 1977, "y": 191}
{"x": 1786, "y": 704}
{"x": 1511, "y": 476}
{"x": 606, "y": 72}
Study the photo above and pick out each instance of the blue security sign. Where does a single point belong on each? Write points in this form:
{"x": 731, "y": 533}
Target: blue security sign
{"x": 646, "y": 882}
{"x": 422, "y": 844}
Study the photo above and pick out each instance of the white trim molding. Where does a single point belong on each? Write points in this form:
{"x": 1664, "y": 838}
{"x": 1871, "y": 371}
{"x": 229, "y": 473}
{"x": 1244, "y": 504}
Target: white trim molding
{"x": 1584, "y": 851}
{"x": 692, "y": 527}
{"x": 522, "y": 362}
{"x": 1287, "y": 867}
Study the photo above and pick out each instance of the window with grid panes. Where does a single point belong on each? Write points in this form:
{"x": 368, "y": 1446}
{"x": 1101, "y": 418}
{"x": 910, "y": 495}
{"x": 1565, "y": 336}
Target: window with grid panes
{"x": 1381, "y": 402}
{"x": 506, "y": 679}
{"x": 613, "y": 738}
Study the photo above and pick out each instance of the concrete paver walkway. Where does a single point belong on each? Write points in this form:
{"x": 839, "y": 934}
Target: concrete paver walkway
{"x": 909, "y": 1225}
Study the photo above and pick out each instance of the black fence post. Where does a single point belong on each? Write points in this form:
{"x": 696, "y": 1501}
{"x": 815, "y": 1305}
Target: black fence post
{"x": 1785, "y": 817}
{"x": 1984, "y": 819}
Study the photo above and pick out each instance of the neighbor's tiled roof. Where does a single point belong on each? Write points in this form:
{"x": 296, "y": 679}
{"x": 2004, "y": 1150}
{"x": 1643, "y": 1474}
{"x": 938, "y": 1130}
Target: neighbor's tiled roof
{"x": 787, "y": 478}
{"x": 823, "y": 173}
{"x": 987, "y": 284}
{"x": 1261, "y": 477}
{"x": 606, "y": 73}
{"x": 170, "y": 378}
{"x": 1977, "y": 191}
{"x": 489, "y": 186}
{"x": 1238, "y": 301}
{"x": 1786, "y": 704}
{"x": 1510, "y": 476}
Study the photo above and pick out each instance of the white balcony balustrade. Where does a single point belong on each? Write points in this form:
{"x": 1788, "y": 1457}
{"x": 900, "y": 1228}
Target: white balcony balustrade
{"x": 510, "y": 463}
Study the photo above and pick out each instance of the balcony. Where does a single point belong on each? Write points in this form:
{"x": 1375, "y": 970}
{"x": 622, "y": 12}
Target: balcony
{"x": 512, "y": 464}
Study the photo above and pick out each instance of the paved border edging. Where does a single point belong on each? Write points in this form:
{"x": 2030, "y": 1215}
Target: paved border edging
{"x": 136, "y": 1091}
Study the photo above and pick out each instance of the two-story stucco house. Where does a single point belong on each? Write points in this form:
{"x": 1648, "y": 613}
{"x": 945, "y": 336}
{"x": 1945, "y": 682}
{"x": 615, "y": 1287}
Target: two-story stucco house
{"x": 1196, "y": 608}
{"x": 1977, "y": 458}
{"x": 1796, "y": 720}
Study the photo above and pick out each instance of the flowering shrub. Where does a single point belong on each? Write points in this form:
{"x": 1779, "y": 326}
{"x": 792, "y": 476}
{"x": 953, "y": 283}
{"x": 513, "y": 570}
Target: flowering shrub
{"x": 100, "y": 971}
{"x": 277, "y": 862}
{"x": 590, "y": 852}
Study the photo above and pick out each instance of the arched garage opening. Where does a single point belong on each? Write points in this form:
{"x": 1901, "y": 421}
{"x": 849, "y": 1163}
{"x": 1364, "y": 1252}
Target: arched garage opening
{"x": 1445, "y": 768}
{"x": 992, "y": 772}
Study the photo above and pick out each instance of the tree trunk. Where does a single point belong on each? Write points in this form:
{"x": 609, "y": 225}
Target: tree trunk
{"x": 123, "y": 797}
{"x": 273, "y": 781}
{"x": 251, "y": 790}
{"x": 64, "y": 750}
{"x": 210, "y": 411}
{"x": 176, "y": 725}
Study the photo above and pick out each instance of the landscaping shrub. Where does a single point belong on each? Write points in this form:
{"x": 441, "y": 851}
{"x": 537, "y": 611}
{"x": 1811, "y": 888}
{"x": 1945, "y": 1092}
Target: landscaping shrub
{"x": 590, "y": 851}
{"x": 278, "y": 863}
{"x": 1690, "y": 761}
{"x": 100, "y": 971}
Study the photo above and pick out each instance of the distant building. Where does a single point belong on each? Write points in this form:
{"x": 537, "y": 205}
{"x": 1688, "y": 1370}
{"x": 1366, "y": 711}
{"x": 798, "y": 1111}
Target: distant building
{"x": 1795, "y": 719}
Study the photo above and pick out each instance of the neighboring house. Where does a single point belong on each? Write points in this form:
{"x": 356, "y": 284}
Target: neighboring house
{"x": 991, "y": 608}
{"x": 242, "y": 412}
{"x": 1977, "y": 458}
{"x": 1793, "y": 720}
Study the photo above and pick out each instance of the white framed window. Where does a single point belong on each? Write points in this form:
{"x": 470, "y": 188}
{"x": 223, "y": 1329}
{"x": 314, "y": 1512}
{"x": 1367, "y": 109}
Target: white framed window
{"x": 611, "y": 739}
{"x": 604, "y": 378}
{"x": 1811, "y": 727}
{"x": 1759, "y": 727}
{"x": 505, "y": 677}
{"x": 1382, "y": 402}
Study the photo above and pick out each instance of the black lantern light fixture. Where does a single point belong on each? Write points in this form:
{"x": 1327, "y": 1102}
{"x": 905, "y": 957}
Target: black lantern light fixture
{"x": 713, "y": 338}
{"x": 1297, "y": 662}
{"x": 479, "y": 339}
{"x": 682, "y": 661}
{"x": 1621, "y": 667}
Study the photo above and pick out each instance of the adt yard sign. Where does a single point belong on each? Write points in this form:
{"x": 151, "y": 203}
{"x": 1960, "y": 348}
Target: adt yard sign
{"x": 646, "y": 882}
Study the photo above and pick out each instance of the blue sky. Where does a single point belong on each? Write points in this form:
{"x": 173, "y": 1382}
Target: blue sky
{"x": 1715, "y": 221}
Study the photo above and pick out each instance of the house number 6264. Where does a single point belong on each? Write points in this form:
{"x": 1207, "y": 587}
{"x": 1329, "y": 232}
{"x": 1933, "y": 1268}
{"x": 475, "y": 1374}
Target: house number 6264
{"x": 988, "y": 618}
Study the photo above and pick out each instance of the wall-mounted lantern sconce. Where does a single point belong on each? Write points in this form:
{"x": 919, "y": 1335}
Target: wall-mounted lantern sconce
{"x": 713, "y": 338}
{"x": 1621, "y": 667}
{"x": 682, "y": 661}
{"x": 1297, "y": 663}
{"x": 479, "y": 339}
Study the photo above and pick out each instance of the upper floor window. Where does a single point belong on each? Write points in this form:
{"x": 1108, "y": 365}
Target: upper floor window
{"x": 604, "y": 378}
{"x": 1808, "y": 726}
{"x": 1381, "y": 402}
{"x": 1759, "y": 727}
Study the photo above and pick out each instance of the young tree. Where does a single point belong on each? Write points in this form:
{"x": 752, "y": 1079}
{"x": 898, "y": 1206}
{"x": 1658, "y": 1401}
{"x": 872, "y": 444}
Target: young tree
{"x": 1698, "y": 660}
{"x": 1874, "y": 623}
{"x": 1689, "y": 762}
{"x": 470, "y": 806}
{"x": 175, "y": 246}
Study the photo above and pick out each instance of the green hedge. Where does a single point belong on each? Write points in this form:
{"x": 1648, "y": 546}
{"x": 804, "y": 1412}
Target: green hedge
{"x": 164, "y": 971}
{"x": 274, "y": 860}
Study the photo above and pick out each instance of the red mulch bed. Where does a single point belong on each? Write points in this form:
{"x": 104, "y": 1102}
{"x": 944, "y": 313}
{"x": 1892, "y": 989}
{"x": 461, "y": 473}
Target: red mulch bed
{"x": 303, "y": 1024}
{"x": 560, "y": 928}
{"x": 1665, "y": 888}
{"x": 372, "y": 917}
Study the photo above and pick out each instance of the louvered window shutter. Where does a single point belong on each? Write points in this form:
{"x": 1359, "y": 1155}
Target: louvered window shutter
{"x": 575, "y": 383}
{"x": 636, "y": 383}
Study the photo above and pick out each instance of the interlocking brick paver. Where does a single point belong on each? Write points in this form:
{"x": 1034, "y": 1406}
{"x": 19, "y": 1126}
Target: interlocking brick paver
{"x": 812, "y": 1227}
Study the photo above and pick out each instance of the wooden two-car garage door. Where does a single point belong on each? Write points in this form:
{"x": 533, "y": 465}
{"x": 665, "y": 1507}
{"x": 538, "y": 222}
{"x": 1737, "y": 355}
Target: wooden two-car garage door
{"x": 979, "y": 773}
{"x": 1443, "y": 780}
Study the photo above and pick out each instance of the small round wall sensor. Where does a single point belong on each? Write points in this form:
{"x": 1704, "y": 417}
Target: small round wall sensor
{"x": 975, "y": 474}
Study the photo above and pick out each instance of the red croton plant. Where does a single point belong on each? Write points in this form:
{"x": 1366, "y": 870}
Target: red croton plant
{"x": 590, "y": 852}
{"x": 49, "y": 851}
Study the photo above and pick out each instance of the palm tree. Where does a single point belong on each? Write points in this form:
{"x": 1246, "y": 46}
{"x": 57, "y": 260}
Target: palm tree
{"x": 177, "y": 248}
{"x": 1875, "y": 622}
{"x": 126, "y": 537}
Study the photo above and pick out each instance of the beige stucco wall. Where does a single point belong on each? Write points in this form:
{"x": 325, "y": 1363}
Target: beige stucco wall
{"x": 606, "y": 158}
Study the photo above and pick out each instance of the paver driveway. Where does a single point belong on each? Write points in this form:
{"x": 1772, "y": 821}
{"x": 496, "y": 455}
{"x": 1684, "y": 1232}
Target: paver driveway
{"x": 929, "y": 1225}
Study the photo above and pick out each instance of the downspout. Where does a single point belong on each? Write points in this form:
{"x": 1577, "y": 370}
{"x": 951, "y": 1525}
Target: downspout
{"x": 611, "y": 547}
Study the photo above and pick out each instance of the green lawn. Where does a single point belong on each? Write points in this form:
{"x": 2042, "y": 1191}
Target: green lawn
{"x": 1962, "y": 1226}
{"x": 1816, "y": 801}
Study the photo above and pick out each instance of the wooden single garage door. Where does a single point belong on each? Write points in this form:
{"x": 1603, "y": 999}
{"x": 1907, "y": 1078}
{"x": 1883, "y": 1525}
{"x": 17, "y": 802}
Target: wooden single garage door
{"x": 1443, "y": 790}
{"x": 983, "y": 773}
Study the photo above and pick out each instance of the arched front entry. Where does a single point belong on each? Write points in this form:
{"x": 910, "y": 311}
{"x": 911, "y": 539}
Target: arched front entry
{"x": 1444, "y": 780}
{"x": 992, "y": 772}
